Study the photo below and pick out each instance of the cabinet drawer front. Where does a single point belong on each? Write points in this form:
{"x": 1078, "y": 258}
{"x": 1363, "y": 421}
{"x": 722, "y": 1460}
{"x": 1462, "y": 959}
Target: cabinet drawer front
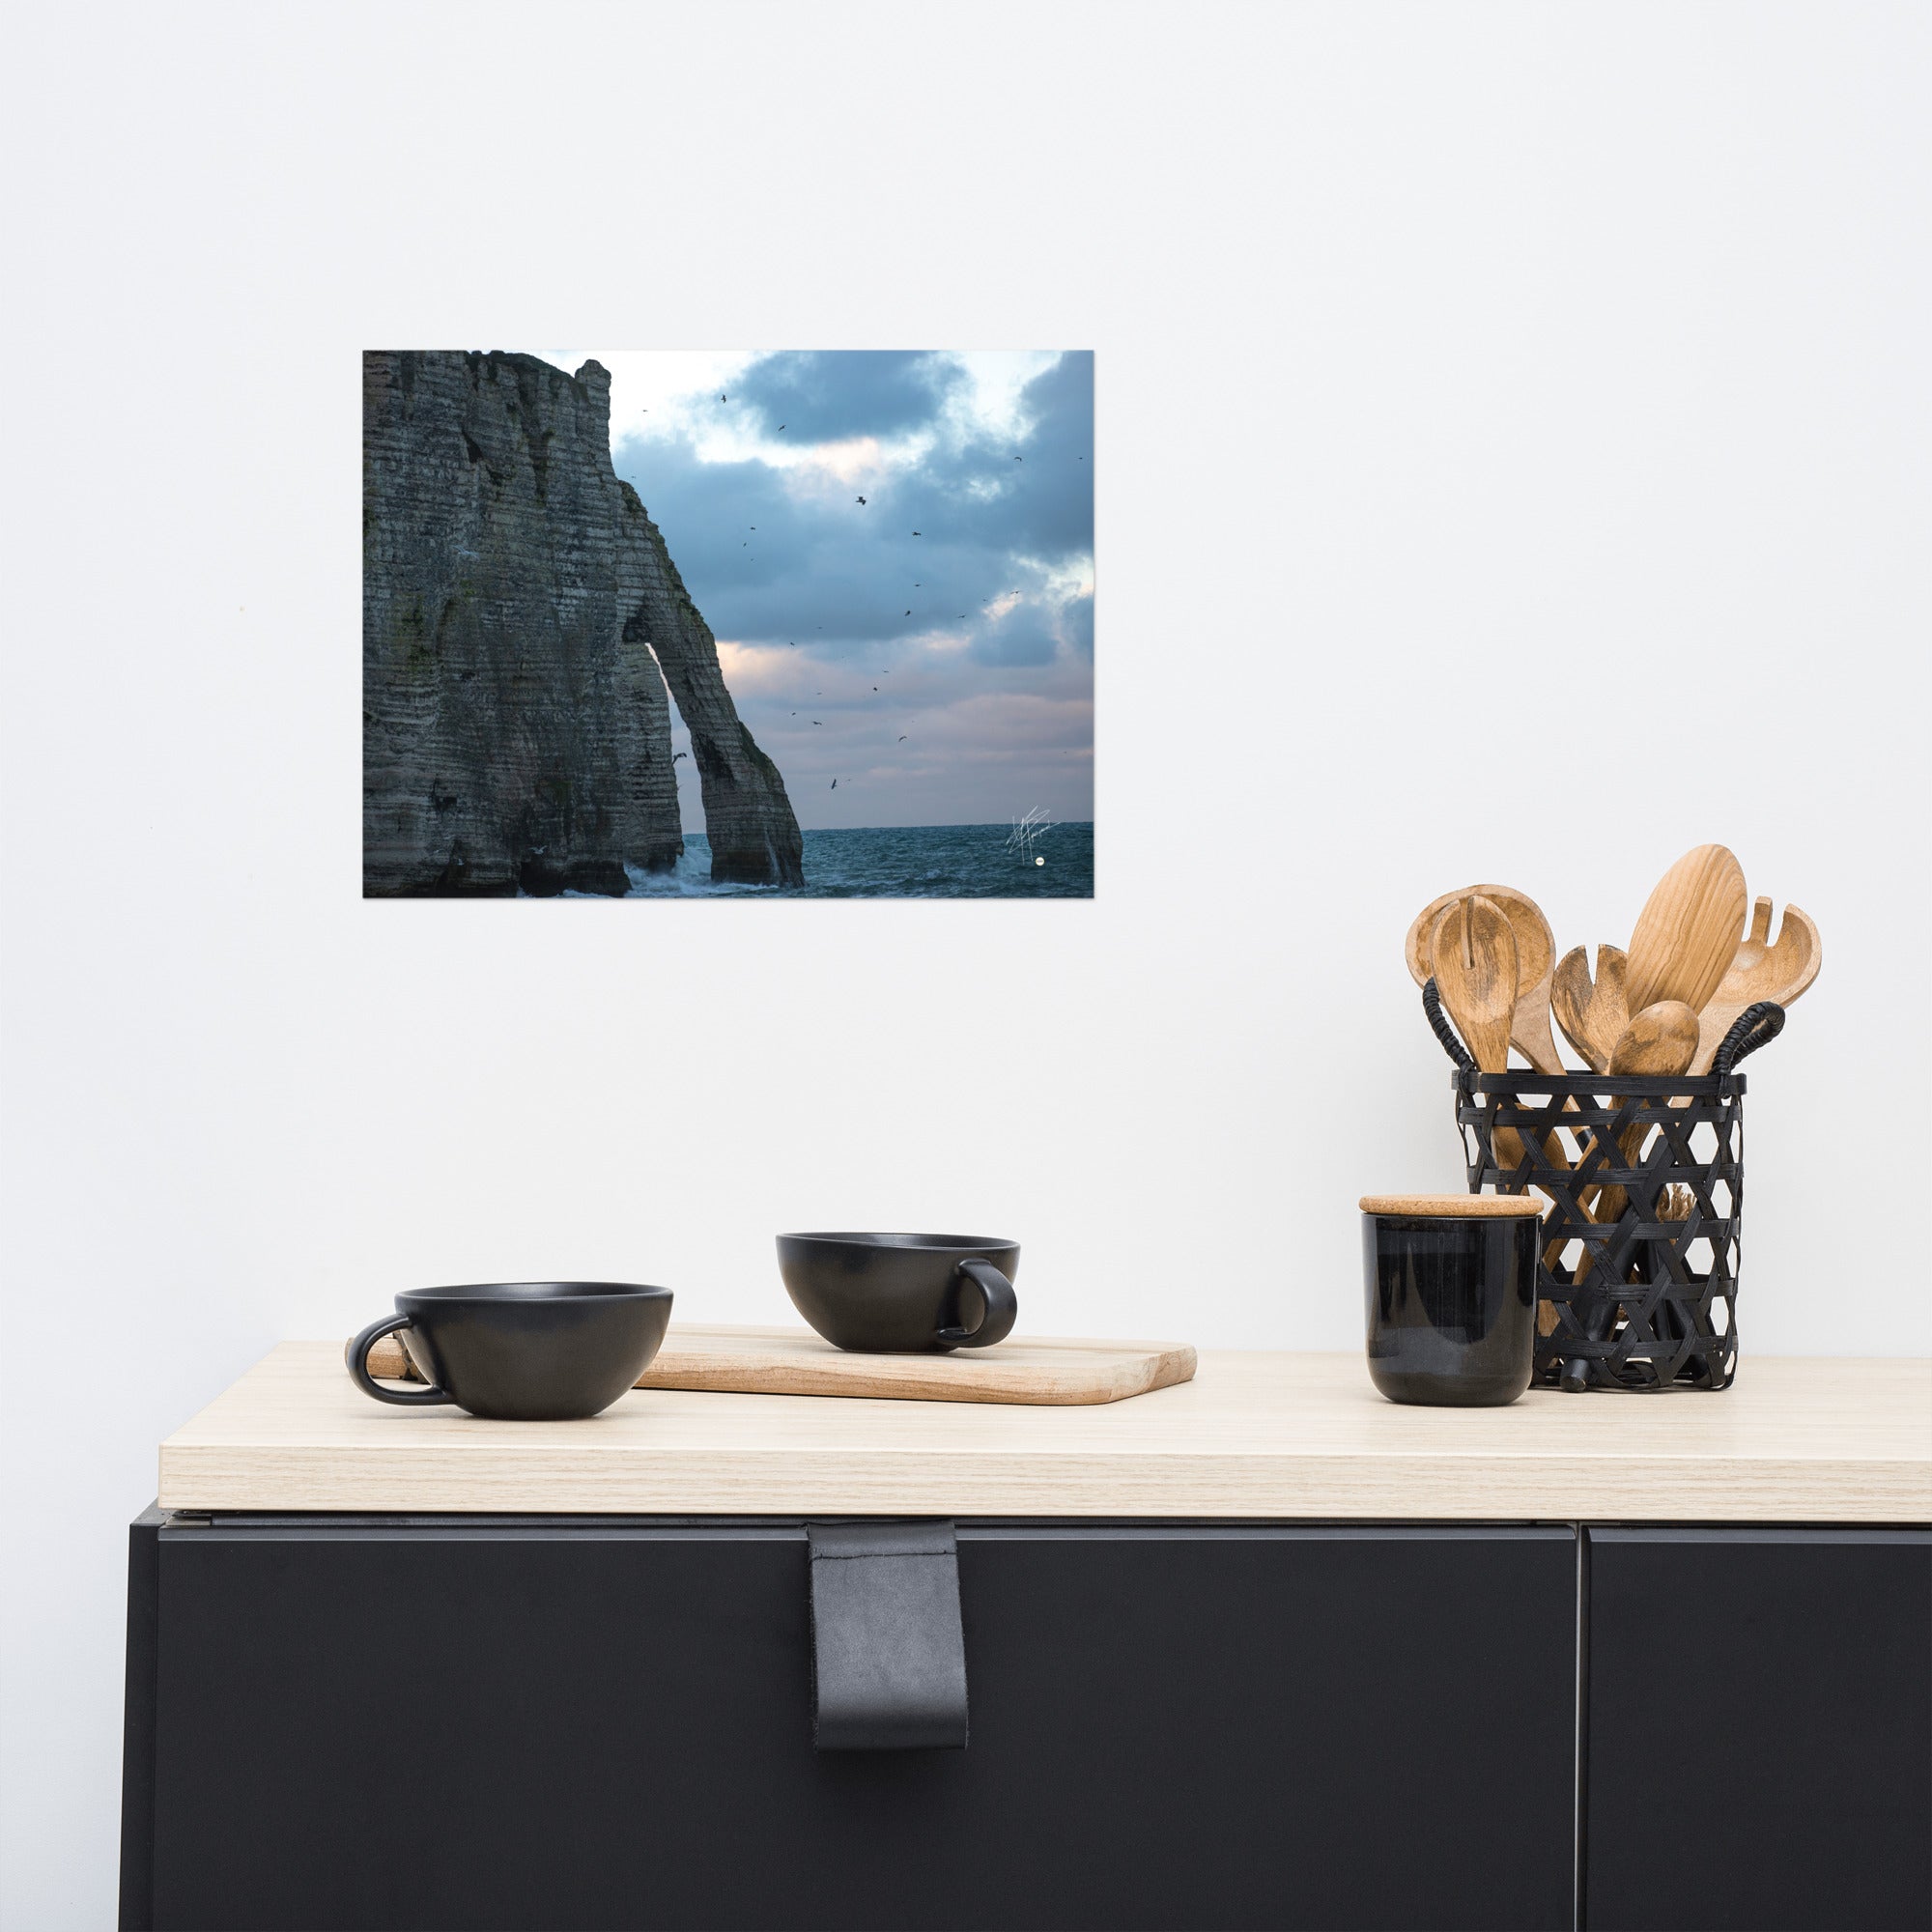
{"x": 1760, "y": 1731}
{"x": 555, "y": 1723}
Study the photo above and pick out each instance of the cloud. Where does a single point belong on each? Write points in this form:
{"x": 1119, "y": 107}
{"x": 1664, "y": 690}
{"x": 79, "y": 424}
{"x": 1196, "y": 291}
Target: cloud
{"x": 832, "y": 396}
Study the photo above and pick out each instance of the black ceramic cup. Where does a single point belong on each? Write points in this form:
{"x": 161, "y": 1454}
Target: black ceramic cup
{"x": 903, "y": 1294}
{"x": 1451, "y": 1288}
{"x": 520, "y": 1351}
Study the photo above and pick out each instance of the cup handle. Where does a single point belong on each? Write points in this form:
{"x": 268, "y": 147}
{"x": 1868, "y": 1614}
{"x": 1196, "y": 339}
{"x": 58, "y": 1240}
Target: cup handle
{"x": 1000, "y": 1310}
{"x": 356, "y": 1356}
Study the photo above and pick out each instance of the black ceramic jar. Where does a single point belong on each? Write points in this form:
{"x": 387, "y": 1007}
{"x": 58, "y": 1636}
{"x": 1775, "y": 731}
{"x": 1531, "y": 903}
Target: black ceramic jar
{"x": 1450, "y": 1281}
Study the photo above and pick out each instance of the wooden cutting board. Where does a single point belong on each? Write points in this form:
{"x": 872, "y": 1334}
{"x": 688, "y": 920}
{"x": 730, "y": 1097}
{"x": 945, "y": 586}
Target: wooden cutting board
{"x": 794, "y": 1361}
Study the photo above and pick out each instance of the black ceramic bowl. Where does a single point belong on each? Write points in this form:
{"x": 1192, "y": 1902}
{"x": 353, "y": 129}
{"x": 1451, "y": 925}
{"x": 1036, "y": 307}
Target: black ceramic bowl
{"x": 903, "y": 1294}
{"x": 522, "y": 1350}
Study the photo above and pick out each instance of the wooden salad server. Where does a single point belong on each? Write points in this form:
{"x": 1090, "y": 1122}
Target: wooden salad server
{"x": 1536, "y": 960}
{"x": 1686, "y": 935}
{"x": 1593, "y": 1018}
{"x": 1759, "y": 970}
{"x": 1472, "y": 956}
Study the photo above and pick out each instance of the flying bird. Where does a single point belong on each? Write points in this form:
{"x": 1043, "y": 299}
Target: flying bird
{"x": 875, "y": 687}
{"x": 675, "y": 755}
{"x": 908, "y": 613}
{"x": 720, "y": 399}
{"x": 901, "y": 737}
{"x": 835, "y": 784}
{"x": 861, "y": 500}
{"x": 915, "y": 533}
{"x": 818, "y": 720}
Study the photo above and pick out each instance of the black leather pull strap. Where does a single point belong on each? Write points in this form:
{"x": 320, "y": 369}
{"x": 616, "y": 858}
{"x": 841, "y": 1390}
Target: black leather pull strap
{"x": 888, "y": 1659}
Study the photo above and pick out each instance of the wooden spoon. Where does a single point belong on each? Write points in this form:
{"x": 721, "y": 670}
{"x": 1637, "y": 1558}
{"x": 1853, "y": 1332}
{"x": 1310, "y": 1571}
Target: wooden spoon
{"x": 1535, "y": 959}
{"x": 1593, "y": 1018}
{"x": 1688, "y": 933}
{"x": 1760, "y": 971}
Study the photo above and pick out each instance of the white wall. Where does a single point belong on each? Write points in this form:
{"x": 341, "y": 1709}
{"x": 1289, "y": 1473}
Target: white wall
{"x": 1513, "y": 465}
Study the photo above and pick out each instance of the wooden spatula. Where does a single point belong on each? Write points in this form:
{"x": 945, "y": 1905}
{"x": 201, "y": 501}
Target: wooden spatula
{"x": 1688, "y": 933}
{"x": 1759, "y": 970}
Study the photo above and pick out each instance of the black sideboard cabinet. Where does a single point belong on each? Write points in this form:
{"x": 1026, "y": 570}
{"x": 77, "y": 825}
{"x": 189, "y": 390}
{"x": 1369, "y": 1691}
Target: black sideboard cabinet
{"x": 592, "y": 1722}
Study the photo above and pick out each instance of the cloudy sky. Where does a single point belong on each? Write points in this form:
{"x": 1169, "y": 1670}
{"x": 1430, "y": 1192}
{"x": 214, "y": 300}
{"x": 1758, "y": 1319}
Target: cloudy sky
{"x": 952, "y": 670}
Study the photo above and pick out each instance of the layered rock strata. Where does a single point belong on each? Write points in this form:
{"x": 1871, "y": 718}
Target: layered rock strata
{"x": 515, "y": 729}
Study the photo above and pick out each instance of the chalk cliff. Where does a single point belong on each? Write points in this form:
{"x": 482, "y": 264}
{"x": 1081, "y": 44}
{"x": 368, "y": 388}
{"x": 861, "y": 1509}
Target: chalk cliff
{"x": 518, "y": 609}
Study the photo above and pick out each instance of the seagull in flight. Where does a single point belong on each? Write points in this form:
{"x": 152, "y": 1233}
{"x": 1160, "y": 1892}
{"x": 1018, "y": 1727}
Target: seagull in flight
{"x": 675, "y": 755}
{"x": 818, "y": 720}
{"x": 861, "y": 500}
{"x": 916, "y": 533}
{"x": 835, "y": 784}
{"x": 901, "y": 737}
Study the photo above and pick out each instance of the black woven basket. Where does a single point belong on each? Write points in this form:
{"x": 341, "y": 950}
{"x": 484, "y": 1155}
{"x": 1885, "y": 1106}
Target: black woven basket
{"x": 1646, "y": 1299}
{"x": 1640, "y": 1302}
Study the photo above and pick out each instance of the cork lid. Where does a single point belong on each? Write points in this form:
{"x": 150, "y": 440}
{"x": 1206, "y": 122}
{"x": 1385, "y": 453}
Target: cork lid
{"x": 1460, "y": 1207}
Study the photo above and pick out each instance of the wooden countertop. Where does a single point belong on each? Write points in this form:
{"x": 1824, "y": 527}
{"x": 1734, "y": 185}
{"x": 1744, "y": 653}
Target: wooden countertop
{"x": 1252, "y": 1435}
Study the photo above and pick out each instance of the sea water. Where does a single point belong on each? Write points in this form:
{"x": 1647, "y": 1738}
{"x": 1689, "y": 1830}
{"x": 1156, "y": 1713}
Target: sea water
{"x": 906, "y": 862}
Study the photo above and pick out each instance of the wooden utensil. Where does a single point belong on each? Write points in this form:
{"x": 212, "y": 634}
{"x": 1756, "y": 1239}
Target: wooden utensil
{"x": 1658, "y": 1044}
{"x": 1472, "y": 951}
{"x": 1688, "y": 933}
{"x": 1472, "y": 954}
{"x": 1660, "y": 1041}
{"x": 1593, "y": 1016}
{"x": 1759, "y": 970}
{"x": 1535, "y": 957}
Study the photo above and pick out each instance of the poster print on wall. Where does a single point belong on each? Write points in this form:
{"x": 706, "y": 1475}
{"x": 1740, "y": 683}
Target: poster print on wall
{"x": 654, "y": 623}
